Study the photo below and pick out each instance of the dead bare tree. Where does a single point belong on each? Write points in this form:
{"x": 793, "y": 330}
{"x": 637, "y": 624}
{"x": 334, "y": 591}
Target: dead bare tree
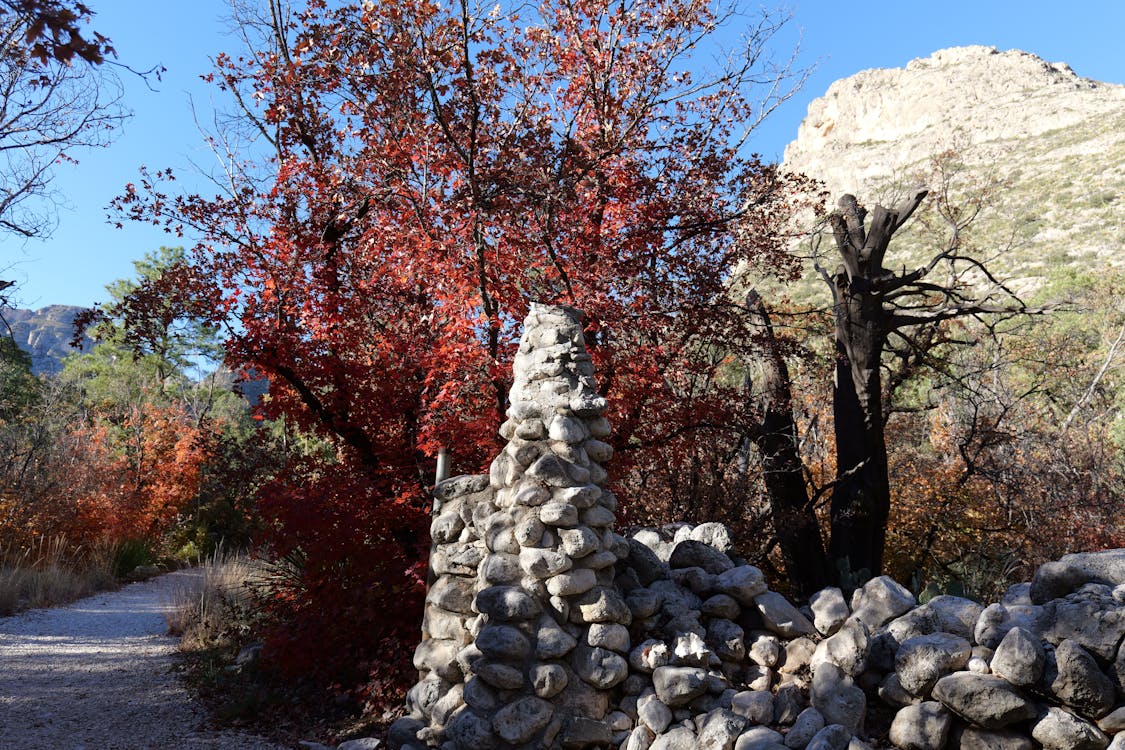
{"x": 873, "y": 306}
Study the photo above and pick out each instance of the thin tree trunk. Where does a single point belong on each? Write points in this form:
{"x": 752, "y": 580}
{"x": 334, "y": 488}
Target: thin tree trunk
{"x": 795, "y": 524}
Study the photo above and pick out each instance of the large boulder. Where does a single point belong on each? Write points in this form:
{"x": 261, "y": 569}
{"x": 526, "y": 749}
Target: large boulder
{"x": 647, "y": 565}
{"x": 1094, "y": 619}
{"x": 829, "y": 610}
{"x": 742, "y": 583}
{"x": 996, "y": 620}
{"x": 942, "y": 614}
{"x": 718, "y": 729}
{"x": 837, "y": 697}
{"x": 677, "y": 738}
{"x": 847, "y": 648}
{"x": 975, "y": 738}
{"x": 760, "y": 738}
{"x": 921, "y": 727}
{"x": 880, "y": 600}
{"x": 985, "y": 700}
{"x": 518, "y": 722}
{"x": 1057, "y": 729}
{"x": 692, "y": 554}
{"x": 1019, "y": 658}
{"x": 678, "y": 686}
{"x": 782, "y": 617}
{"x": 808, "y": 723}
{"x": 832, "y": 737}
{"x": 1055, "y": 580}
{"x": 924, "y": 659}
{"x": 1074, "y": 678}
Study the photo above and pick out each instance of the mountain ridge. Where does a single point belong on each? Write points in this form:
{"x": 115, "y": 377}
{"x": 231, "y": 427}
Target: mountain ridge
{"x": 1053, "y": 141}
{"x": 45, "y": 334}
{"x": 989, "y": 95}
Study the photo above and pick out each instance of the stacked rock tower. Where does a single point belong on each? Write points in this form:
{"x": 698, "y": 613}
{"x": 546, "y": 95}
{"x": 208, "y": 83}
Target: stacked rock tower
{"x": 525, "y": 655}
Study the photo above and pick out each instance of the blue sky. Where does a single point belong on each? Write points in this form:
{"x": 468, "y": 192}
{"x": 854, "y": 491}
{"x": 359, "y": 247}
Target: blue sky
{"x": 85, "y": 252}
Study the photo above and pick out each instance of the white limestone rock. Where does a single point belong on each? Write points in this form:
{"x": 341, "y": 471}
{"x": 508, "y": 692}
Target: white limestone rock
{"x": 837, "y": 697}
{"x": 678, "y": 686}
{"x": 921, "y": 661}
{"x": 847, "y": 648}
{"x": 829, "y": 610}
{"x": 988, "y": 701}
{"x": 756, "y": 706}
{"x": 880, "y": 600}
{"x": 924, "y": 726}
{"x": 782, "y": 617}
{"x": 1056, "y": 729}
{"x": 1019, "y": 657}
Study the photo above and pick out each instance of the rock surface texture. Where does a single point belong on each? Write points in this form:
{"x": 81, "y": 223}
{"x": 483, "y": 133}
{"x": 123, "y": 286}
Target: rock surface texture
{"x": 904, "y": 115}
{"x": 546, "y": 629}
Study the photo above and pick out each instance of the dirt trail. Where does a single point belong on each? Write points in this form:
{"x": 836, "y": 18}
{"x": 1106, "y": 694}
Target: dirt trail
{"x": 96, "y": 675}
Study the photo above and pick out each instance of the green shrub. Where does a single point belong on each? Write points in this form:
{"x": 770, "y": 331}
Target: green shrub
{"x": 131, "y": 554}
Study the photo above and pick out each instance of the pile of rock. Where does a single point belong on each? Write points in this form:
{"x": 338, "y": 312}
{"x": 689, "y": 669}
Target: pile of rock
{"x": 525, "y": 631}
{"x": 735, "y": 665}
{"x": 544, "y": 628}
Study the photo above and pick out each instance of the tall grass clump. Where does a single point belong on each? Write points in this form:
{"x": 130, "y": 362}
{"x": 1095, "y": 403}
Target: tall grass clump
{"x": 218, "y": 610}
{"x": 49, "y": 572}
{"x": 130, "y": 554}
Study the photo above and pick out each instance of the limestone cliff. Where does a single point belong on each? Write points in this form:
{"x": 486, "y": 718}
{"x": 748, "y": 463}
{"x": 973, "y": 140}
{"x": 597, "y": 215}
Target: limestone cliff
{"x": 1054, "y": 139}
{"x": 45, "y": 334}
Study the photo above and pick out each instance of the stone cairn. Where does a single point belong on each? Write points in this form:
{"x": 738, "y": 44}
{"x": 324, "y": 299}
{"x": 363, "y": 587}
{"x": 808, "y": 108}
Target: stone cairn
{"x": 526, "y": 630}
{"x": 545, "y": 629}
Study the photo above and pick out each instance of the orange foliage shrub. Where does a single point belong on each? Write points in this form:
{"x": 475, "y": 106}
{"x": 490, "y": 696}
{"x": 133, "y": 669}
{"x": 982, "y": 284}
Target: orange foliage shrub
{"x": 985, "y": 504}
{"x": 134, "y": 478}
{"x": 105, "y": 482}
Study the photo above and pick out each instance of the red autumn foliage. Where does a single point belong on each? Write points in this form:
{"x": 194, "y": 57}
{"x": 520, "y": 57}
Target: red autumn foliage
{"x": 426, "y": 172}
{"x": 350, "y": 577}
{"x": 54, "y": 30}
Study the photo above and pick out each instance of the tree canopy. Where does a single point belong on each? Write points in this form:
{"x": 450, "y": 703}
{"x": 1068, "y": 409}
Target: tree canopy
{"x": 426, "y": 172}
{"x": 51, "y": 105}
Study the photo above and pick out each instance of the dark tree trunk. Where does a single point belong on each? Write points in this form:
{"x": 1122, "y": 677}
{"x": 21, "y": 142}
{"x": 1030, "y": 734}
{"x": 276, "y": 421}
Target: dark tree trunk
{"x": 861, "y": 497}
{"x": 798, "y": 533}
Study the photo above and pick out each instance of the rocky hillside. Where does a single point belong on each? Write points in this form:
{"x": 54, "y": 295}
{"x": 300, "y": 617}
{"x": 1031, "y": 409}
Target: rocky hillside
{"x": 1054, "y": 140}
{"x": 45, "y": 334}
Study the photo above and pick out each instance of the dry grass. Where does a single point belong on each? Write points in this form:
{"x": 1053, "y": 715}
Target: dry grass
{"x": 219, "y": 608}
{"x": 49, "y": 573}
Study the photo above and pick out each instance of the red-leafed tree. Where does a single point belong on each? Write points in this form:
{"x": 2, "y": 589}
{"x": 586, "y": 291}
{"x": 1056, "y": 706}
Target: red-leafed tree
{"x": 423, "y": 172}
{"x": 52, "y": 30}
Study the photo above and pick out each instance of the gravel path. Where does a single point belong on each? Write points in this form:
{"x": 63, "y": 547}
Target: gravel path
{"x": 96, "y": 676}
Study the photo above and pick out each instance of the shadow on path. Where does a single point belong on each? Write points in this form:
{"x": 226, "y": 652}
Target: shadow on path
{"x": 97, "y": 675}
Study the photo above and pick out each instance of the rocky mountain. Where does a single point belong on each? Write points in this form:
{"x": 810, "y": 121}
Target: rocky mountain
{"x": 45, "y": 334}
{"x": 1053, "y": 141}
